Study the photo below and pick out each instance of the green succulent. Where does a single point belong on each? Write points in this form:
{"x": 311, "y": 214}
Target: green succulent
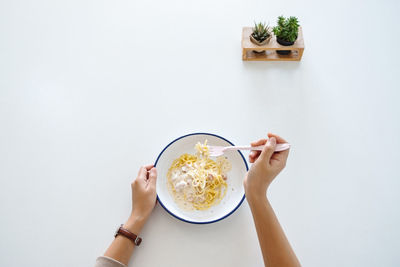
{"x": 261, "y": 32}
{"x": 287, "y": 28}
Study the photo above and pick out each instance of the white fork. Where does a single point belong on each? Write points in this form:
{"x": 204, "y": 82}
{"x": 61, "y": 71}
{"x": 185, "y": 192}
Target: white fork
{"x": 216, "y": 151}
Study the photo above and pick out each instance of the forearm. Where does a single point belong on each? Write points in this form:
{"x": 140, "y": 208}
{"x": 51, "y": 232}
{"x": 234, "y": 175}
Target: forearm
{"x": 274, "y": 245}
{"x": 121, "y": 248}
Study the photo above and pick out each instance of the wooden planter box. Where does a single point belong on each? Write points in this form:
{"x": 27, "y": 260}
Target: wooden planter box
{"x": 270, "y": 49}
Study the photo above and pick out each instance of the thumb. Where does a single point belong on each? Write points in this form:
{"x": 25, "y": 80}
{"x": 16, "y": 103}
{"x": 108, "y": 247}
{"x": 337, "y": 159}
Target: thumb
{"x": 153, "y": 177}
{"x": 268, "y": 150}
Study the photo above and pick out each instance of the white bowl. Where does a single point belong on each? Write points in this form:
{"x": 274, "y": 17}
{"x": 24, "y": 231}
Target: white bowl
{"x": 235, "y": 192}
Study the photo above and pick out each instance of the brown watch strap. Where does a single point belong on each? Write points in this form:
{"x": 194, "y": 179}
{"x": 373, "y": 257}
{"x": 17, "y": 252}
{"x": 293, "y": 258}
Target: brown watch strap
{"x": 124, "y": 232}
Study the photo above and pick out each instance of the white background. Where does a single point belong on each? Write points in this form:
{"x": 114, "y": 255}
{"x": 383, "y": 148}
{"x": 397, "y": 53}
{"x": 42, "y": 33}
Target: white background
{"x": 90, "y": 90}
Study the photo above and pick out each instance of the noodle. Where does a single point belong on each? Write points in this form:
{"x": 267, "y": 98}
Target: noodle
{"x": 196, "y": 181}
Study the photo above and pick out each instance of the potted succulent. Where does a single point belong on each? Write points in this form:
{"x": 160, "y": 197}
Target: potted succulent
{"x": 286, "y": 32}
{"x": 261, "y": 35}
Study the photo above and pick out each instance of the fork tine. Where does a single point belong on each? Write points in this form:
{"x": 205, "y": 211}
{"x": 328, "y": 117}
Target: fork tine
{"x": 215, "y": 151}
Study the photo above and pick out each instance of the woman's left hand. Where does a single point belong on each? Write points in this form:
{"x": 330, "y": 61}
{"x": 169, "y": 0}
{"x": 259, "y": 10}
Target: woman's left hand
{"x": 143, "y": 198}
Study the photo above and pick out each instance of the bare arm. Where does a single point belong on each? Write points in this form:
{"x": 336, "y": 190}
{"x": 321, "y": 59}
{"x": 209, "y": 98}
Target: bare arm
{"x": 274, "y": 245}
{"x": 143, "y": 201}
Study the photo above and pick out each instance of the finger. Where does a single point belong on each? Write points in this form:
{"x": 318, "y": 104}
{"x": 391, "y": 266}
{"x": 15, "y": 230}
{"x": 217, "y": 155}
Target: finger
{"x": 281, "y": 156}
{"x": 148, "y": 167}
{"x": 279, "y": 140}
{"x": 259, "y": 142}
{"x": 254, "y": 156}
{"x": 153, "y": 177}
{"x": 268, "y": 150}
{"x": 251, "y": 159}
{"x": 142, "y": 174}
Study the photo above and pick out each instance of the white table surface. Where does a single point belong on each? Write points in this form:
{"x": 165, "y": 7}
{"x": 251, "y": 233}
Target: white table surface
{"x": 91, "y": 90}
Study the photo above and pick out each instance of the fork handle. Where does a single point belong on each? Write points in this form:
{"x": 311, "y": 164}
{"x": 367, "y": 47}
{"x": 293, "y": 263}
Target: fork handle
{"x": 279, "y": 147}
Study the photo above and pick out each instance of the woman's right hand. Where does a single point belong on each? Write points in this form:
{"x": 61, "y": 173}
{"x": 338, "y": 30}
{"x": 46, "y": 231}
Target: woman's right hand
{"x": 267, "y": 164}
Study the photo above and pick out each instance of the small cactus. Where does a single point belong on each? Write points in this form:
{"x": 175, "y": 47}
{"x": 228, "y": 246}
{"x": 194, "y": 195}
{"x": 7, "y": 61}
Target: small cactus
{"x": 261, "y": 32}
{"x": 287, "y": 29}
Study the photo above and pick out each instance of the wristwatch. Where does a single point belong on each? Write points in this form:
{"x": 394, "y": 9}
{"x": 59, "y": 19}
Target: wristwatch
{"x": 128, "y": 234}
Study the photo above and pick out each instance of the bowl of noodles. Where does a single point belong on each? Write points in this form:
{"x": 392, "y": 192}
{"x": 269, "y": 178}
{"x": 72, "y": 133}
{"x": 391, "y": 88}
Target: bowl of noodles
{"x": 196, "y": 188}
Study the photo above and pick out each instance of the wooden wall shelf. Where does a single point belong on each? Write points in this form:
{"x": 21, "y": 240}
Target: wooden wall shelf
{"x": 270, "y": 48}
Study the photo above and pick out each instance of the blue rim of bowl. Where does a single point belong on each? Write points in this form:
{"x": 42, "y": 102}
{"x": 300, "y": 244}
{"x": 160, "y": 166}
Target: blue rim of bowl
{"x": 207, "y": 222}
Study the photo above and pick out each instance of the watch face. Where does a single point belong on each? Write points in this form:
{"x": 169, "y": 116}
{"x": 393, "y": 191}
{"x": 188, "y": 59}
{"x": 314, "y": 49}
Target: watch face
{"x": 116, "y": 232}
{"x": 138, "y": 240}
